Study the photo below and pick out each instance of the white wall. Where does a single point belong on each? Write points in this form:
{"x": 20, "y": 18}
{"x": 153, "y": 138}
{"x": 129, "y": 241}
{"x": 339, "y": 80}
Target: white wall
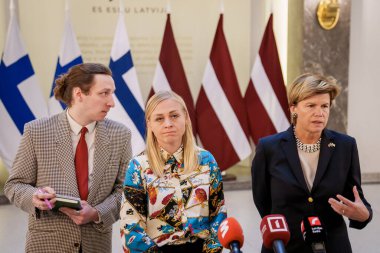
{"x": 364, "y": 82}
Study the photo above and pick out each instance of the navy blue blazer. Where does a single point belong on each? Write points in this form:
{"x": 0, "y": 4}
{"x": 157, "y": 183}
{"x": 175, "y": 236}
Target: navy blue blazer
{"x": 279, "y": 186}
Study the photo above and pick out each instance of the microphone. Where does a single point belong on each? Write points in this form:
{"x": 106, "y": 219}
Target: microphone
{"x": 275, "y": 232}
{"x": 313, "y": 233}
{"x": 230, "y": 235}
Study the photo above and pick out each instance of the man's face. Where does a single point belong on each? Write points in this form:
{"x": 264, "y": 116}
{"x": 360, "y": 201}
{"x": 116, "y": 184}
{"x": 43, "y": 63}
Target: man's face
{"x": 95, "y": 105}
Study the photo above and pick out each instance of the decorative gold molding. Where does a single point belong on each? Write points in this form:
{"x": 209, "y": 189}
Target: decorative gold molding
{"x": 328, "y": 13}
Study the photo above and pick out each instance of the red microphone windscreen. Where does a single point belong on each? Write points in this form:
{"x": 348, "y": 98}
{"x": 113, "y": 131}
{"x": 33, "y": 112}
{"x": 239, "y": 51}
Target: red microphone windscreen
{"x": 229, "y": 231}
{"x": 274, "y": 227}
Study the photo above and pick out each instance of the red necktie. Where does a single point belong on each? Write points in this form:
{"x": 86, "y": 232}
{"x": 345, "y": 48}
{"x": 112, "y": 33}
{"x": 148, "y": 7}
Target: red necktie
{"x": 81, "y": 165}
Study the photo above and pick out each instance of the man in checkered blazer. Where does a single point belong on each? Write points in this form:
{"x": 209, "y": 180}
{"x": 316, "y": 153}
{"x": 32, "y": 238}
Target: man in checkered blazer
{"x": 44, "y": 166}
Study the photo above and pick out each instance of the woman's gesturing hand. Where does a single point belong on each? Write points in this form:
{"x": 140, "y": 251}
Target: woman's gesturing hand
{"x": 353, "y": 210}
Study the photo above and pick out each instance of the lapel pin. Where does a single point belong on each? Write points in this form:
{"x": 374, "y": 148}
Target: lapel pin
{"x": 331, "y": 145}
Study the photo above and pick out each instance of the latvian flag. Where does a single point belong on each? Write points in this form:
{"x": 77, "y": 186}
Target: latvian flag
{"x": 221, "y": 116}
{"x": 265, "y": 97}
{"x": 170, "y": 74}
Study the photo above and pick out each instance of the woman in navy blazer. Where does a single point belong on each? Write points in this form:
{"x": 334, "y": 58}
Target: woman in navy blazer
{"x": 309, "y": 170}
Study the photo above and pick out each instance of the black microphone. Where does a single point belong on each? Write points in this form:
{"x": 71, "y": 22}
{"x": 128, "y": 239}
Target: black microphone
{"x": 275, "y": 232}
{"x": 313, "y": 233}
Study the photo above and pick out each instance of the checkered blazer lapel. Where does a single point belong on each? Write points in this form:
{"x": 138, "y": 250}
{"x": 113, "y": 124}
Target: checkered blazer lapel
{"x": 65, "y": 153}
{"x": 101, "y": 158}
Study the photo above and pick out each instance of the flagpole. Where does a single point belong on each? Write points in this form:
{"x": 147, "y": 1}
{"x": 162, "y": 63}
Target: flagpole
{"x": 12, "y": 11}
{"x": 67, "y": 9}
{"x": 67, "y": 5}
{"x": 271, "y": 6}
{"x": 121, "y": 6}
{"x": 168, "y": 7}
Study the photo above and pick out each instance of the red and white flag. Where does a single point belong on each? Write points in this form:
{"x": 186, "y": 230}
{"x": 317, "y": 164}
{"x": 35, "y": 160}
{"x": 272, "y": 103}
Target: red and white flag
{"x": 265, "y": 98}
{"x": 170, "y": 74}
{"x": 221, "y": 116}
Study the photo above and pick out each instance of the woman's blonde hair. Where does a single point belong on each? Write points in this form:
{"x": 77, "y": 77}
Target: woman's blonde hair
{"x": 190, "y": 150}
{"x": 308, "y": 85}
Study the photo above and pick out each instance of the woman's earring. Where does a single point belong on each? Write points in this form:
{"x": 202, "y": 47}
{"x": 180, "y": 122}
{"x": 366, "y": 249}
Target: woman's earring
{"x": 294, "y": 115}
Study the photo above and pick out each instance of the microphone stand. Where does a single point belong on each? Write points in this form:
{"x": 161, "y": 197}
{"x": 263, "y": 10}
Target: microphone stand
{"x": 235, "y": 247}
{"x": 278, "y": 246}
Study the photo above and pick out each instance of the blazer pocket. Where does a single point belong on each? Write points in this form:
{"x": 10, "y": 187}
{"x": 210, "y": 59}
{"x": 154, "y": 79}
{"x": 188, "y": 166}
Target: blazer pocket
{"x": 42, "y": 230}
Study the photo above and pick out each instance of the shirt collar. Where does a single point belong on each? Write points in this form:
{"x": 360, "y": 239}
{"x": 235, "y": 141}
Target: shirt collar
{"x": 76, "y": 128}
{"x": 178, "y": 155}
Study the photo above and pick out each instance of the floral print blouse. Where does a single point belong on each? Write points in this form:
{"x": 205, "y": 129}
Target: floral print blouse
{"x": 175, "y": 209}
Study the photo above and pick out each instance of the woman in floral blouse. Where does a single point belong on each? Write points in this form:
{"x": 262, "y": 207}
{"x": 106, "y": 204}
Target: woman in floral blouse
{"x": 173, "y": 192}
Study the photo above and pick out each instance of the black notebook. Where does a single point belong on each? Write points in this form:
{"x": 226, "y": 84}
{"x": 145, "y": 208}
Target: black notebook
{"x": 67, "y": 201}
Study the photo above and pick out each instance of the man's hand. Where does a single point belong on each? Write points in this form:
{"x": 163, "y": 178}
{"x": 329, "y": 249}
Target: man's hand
{"x": 85, "y": 215}
{"x": 40, "y": 195}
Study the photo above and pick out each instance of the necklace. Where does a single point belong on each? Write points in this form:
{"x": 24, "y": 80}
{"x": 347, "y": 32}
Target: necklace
{"x": 308, "y": 148}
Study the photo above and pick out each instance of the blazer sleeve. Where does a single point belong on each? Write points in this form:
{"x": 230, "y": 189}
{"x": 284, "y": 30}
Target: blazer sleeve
{"x": 260, "y": 181}
{"x": 355, "y": 179}
{"x": 109, "y": 209}
{"x": 20, "y": 185}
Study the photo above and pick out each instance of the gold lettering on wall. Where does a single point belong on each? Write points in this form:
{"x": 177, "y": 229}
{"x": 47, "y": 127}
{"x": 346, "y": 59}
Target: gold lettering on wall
{"x": 128, "y": 10}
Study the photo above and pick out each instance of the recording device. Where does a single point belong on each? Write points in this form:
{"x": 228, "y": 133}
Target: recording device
{"x": 230, "y": 235}
{"x": 275, "y": 232}
{"x": 313, "y": 233}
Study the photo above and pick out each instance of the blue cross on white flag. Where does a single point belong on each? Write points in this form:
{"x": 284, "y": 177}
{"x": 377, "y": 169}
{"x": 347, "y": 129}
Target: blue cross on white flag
{"x": 69, "y": 55}
{"x": 21, "y": 99}
{"x": 128, "y": 100}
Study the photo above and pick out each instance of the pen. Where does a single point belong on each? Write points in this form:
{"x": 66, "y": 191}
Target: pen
{"x": 46, "y": 200}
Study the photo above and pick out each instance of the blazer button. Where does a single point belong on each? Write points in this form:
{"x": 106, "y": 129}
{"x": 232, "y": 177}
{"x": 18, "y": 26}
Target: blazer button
{"x": 310, "y": 199}
{"x": 76, "y": 245}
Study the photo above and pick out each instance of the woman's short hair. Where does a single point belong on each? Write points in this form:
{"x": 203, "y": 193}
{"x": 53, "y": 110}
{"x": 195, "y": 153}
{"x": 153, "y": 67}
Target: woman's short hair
{"x": 308, "y": 85}
{"x": 190, "y": 150}
{"x": 82, "y": 76}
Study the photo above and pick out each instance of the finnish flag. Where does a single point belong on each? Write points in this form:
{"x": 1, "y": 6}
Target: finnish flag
{"x": 21, "y": 99}
{"x": 69, "y": 55}
{"x": 129, "y": 105}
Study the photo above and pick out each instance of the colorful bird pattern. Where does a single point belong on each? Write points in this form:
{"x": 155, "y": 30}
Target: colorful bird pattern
{"x": 177, "y": 208}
